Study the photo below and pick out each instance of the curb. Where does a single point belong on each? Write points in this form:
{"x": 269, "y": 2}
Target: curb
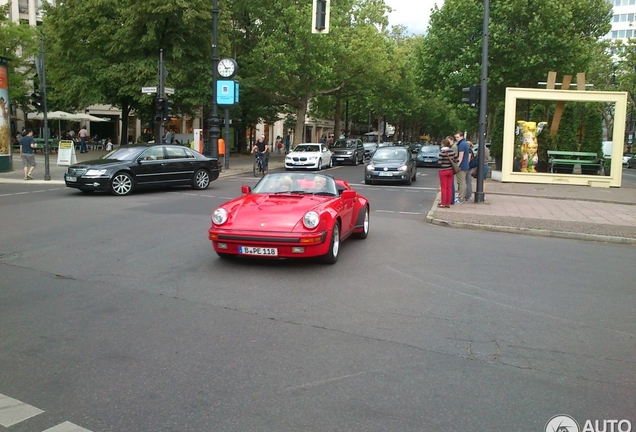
{"x": 521, "y": 230}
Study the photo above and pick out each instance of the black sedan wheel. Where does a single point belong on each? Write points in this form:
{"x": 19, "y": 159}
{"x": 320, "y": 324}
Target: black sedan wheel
{"x": 122, "y": 184}
{"x": 201, "y": 179}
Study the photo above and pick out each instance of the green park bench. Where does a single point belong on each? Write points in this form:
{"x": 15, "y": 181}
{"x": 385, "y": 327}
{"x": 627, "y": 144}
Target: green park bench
{"x": 587, "y": 160}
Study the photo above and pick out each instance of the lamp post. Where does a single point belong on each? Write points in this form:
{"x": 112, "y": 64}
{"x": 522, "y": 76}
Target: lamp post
{"x": 213, "y": 122}
{"x": 483, "y": 105}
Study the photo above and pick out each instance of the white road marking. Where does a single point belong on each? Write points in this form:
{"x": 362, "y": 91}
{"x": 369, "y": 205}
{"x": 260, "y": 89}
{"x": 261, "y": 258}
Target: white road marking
{"x": 67, "y": 427}
{"x": 13, "y": 411}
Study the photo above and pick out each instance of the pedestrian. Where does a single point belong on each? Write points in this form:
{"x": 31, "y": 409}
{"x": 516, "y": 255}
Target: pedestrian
{"x": 83, "y": 133}
{"x": 168, "y": 137}
{"x": 287, "y": 144}
{"x": 472, "y": 163}
{"x": 27, "y": 144}
{"x": 462, "y": 156}
{"x": 109, "y": 145}
{"x": 446, "y": 173}
{"x": 279, "y": 144}
{"x": 453, "y": 147}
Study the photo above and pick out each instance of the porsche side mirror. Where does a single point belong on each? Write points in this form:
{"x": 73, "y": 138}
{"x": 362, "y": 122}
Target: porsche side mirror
{"x": 348, "y": 194}
{"x": 245, "y": 190}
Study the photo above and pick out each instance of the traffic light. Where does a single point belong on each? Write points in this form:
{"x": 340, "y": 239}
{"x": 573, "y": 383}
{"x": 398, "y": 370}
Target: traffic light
{"x": 167, "y": 109}
{"x": 320, "y": 20}
{"x": 160, "y": 106}
{"x": 37, "y": 100}
{"x": 473, "y": 95}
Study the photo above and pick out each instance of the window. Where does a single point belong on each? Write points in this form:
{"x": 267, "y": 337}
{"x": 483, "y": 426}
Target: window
{"x": 630, "y": 17}
{"x": 616, "y": 18}
{"x": 176, "y": 152}
{"x": 615, "y": 34}
{"x": 154, "y": 153}
{"x": 629, "y": 33}
{"x": 621, "y": 34}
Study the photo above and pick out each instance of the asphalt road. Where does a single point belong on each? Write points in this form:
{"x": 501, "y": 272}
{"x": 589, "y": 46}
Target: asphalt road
{"x": 116, "y": 315}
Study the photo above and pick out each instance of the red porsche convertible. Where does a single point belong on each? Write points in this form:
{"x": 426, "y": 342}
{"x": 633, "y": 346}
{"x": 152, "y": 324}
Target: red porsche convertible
{"x": 290, "y": 215}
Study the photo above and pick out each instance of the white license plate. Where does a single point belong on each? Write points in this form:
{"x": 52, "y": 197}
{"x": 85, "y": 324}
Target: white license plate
{"x": 428, "y": 160}
{"x": 71, "y": 179}
{"x": 385, "y": 174}
{"x": 248, "y": 250}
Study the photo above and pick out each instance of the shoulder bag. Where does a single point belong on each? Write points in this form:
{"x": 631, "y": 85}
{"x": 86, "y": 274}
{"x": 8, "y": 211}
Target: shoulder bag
{"x": 451, "y": 159}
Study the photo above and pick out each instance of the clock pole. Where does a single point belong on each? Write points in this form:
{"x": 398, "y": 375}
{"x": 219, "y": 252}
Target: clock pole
{"x": 213, "y": 122}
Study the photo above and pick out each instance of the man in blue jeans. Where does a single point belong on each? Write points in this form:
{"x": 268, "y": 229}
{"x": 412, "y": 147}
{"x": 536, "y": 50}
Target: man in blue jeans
{"x": 463, "y": 156}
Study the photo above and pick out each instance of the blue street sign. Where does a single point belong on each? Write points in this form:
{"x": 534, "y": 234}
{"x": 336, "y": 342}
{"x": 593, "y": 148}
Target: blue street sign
{"x": 225, "y": 92}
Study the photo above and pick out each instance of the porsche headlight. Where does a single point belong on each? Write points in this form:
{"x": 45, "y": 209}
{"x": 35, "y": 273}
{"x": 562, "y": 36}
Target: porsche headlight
{"x": 404, "y": 168}
{"x": 370, "y": 167}
{"x": 95, "y": 172}
{"x": 311, "y": 219}
{"x": 219, "y": 217}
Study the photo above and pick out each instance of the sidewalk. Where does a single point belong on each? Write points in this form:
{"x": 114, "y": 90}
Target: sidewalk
{"x": 566, "y": 211}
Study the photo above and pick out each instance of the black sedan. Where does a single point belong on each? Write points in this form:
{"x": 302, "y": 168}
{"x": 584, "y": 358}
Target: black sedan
{"x": 428, "y": 156}
{"x": 391, "y": 165}
{"x": 140, "y": 166}
{"x": 347, "y": 151}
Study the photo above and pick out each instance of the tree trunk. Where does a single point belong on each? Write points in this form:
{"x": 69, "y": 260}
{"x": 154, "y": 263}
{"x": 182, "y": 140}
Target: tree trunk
{"x": 301, "y": 114}
{"x": 123, "y": 135}
{"x": 336, "y": 118}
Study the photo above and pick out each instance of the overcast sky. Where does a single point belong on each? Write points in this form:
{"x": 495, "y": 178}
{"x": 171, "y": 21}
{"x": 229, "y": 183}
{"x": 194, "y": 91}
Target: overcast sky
{"x": 413, "y": 14}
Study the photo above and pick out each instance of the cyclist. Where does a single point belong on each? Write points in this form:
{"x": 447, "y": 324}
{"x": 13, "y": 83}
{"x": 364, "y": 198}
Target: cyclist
{"x": 261, "y": 148}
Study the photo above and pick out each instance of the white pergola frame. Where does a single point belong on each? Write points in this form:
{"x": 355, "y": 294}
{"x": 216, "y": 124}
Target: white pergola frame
{"x": 619, "y": 99}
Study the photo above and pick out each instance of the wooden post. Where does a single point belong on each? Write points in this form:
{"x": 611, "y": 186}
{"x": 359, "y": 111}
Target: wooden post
{"x": 558, "y": 112}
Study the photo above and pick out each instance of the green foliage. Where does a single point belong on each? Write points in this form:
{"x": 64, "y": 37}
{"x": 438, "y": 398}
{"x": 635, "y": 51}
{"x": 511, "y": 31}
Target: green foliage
{"x": 526, "y": 41}
{"x": 567, "y": 136}
{"x": 592, "y": 128}
{"x": 104, "y": 51}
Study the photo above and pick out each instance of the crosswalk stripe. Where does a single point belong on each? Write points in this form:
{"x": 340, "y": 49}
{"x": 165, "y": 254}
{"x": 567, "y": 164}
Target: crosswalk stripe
{"x": 67, "y": 427}
{"x": 13, "y": 411}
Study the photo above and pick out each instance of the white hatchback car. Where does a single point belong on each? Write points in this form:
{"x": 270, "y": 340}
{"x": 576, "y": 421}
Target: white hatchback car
{"x": 309, "y": 156}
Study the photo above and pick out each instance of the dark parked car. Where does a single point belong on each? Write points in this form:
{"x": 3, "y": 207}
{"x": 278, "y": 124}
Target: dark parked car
{"x": 144, "y": 165}
{"x": 428, "y": 156}
{"x": 415, "y": 147}
{"x": 347, "y": 151}
{"x": 369, "y": 149}
{"x": 391, "y": 165}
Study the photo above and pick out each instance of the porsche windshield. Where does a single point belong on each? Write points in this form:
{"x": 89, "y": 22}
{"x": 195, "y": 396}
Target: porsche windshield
{"x": 296, "y": 183}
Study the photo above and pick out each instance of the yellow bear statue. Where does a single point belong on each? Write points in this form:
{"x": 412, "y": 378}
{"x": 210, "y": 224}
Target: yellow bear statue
{"x": 528, "y": 132}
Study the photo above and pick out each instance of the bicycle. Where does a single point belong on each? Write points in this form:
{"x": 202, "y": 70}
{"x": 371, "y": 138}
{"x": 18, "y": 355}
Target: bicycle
{"x": 258, "y": 165}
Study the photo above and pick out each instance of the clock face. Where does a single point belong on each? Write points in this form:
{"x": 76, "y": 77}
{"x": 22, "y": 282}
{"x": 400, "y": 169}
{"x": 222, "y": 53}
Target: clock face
{"x": 227, "y": 67}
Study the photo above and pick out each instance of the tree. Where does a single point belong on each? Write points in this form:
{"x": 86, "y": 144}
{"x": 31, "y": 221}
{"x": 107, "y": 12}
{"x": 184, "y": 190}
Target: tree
{"x": 284, "y": 62}
{"x": 526, "y": 41}
{"x": 104, "y": 51}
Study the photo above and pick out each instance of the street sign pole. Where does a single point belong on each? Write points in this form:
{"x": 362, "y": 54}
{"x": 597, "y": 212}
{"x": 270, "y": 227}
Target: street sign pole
{"x": 47, "y": 167}
{"x": 161, "y": 77}
{"x": 213, "y": 122}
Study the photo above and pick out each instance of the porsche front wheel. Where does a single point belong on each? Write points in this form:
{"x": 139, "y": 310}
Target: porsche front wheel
{"x": 365, "y": 225}
{"x": 334, "y": 246}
